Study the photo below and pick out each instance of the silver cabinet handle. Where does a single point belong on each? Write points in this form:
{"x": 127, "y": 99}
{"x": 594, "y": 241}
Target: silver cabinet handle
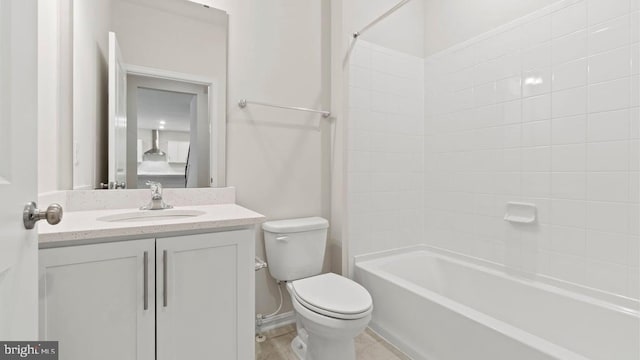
{"x": 165, "y": 282}
{"x": 31, "y": 215}
{"x": 145, "y": 261}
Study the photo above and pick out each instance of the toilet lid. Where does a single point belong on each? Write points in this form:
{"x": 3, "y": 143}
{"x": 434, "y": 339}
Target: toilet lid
{"x": 333, "y": 295}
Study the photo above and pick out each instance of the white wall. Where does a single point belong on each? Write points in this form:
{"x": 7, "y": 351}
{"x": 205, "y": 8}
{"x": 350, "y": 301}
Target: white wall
{"x": 278, "y": 159}
{"x": 55, "y": 130}
{"x": 91, "y": 25}
{"x": 402, "y": 31}
{"x": 385, "y": 150}
{"x": 449, "y": 22}
{"x": 48, "y": 62}
{"x": 545, "y": 111}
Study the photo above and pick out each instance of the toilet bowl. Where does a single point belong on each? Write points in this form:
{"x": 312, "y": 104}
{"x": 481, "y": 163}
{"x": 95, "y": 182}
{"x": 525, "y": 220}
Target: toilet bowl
{"x": 331, "y": 310}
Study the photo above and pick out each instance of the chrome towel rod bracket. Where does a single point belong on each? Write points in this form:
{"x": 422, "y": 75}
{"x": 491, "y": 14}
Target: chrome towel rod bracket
{"x": 244, "y": 102}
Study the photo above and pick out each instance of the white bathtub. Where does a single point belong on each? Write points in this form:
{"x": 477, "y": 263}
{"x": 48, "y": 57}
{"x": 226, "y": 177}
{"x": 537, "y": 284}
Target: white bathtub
{"x": 437, "y": 305}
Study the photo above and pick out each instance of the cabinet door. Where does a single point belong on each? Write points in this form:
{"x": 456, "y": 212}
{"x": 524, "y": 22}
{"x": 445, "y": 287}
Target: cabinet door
{"x": 205, "y": 296}
{"x": 92, "y": 300}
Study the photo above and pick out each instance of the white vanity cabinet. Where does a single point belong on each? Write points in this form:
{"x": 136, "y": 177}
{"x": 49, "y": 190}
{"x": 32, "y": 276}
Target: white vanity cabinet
{"x": 205, "y": 296}
{"x": 92, "y": 300}
{"x": 198, "y": 303}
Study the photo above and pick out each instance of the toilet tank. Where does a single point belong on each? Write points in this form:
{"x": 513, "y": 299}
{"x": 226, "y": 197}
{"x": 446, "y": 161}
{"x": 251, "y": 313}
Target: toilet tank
{"x": 295, "y": 247}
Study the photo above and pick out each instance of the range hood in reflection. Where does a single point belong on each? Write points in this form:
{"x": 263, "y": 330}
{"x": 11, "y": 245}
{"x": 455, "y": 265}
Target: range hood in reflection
{"x": 155, "y": 154}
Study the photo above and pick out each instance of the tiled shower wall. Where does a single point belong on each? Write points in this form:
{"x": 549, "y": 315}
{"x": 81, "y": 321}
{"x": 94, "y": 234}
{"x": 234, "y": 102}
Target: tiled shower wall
{"x": 385, "y": 149}
{"x": 542, "y": 110}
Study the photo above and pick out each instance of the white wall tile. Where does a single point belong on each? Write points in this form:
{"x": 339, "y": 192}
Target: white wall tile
{"x": 635, "y": 58}
{"x": 509, "y": 89}
{"x": 634, "y": 25}
{"x": 510, "y": 64}
{"x": 570, "y": 268}
{"x": 601, "y": 10}
{"x": 536, "y": 108}
{"x": 536, "y": 57}
{"x": 568, "y": 240}
{"x": 512, "y": 112}
{"x": 634, "y": 155}
{"x": 536, "y": 184}
{"x": 609, "y": 35}
{"x": 606, "y": 216}
{"x": 569, "y": 20}
{"x": 607, "y": 247}
{"x": 611, "y": 95}
{"x": 536, "y": 82}
{"x": 569, "y": 185}
{"x": 537, "y": 133}
{"x": 635, "y": 123}
{"x": 610, "y": 65}
{"x": 569, "y": 130}
{"x": 551, "y": 115}
{"x": 569, "y": 157}
{"x": 386, "y": 142}
{"x": 570, "y": 75}
{"x": 536, "y": 158}
{"x": 568, "y": 213}
{"x": 536, "y": 31}
{"x": 610, "y": 125}
{"x": 569, "y": 102}
{"x": 485, "y": 72}
{"x": 634, "y": 187}
{"x": 608, "y": 156}
{"x": 606, "y": 276}
{"x": 484, "y": 94}
{"x": 570, "y": 47}
{"x": 604, "y": 186}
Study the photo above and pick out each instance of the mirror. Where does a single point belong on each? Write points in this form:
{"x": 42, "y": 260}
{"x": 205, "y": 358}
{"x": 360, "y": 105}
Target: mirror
{"x": 152, "y": 73}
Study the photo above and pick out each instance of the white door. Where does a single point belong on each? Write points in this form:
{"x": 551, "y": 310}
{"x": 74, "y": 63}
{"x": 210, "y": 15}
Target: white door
{"x": 18, "y": 169}
{"x": 117, "y": 115}
{"x": 205, "y": 296}
{"x": 98, "y": 300}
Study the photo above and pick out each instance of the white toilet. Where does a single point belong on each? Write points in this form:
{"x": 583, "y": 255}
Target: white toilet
{"x": 331, "y": 310}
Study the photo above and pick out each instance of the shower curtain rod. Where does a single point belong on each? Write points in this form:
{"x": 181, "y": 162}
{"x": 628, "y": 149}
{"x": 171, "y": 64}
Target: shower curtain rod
{"x": 379, "y": 18}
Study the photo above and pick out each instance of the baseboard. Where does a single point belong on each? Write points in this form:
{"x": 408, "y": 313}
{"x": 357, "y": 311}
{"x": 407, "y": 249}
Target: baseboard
{"x": 277, "y": 321}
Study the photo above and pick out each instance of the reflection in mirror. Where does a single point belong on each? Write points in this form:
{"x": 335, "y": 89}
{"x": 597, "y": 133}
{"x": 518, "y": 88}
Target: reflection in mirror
{"x": 169, "y": 116}
{"x": 170, "y": 113}
{"x": 167, "y": 61}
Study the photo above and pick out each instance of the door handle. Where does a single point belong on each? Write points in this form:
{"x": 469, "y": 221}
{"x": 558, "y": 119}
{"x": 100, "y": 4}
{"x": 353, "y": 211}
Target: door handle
{"x": 145, "y": 261}
{"x": 31, "y": 215}
{"x": 165, "y": 282}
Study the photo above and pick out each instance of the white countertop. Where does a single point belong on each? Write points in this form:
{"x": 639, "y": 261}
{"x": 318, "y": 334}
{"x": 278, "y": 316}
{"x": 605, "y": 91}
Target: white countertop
{"x": 84, "y": 225}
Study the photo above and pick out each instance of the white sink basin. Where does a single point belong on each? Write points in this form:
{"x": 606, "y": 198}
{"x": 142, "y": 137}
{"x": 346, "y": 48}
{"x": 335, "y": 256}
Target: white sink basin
{"x": 152, "y": 215}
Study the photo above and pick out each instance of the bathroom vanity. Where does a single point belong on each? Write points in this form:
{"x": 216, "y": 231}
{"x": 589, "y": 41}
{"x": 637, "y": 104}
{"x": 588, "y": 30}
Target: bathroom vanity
{"x": 168, "y": 284}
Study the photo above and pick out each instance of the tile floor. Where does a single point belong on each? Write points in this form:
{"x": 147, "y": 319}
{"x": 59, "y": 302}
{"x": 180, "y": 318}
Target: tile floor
{"x": 369, "y": 346}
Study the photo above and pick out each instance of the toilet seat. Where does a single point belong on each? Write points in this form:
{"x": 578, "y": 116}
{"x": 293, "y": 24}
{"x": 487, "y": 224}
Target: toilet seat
{"x": 333, "y": 295}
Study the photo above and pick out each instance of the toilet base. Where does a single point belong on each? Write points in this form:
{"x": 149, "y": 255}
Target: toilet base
{"x": 322, "y": 349}
{"x": 299, "y": 348}
{"x": 325, "y": 338}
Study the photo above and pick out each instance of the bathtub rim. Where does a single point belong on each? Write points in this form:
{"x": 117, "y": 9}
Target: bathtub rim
{"x": 537, "y": 343}
{"x": 611, "y": 301}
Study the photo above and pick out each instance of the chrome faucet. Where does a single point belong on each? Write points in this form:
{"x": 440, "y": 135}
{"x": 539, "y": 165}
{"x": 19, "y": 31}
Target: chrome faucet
{"x": 156, "y": 202}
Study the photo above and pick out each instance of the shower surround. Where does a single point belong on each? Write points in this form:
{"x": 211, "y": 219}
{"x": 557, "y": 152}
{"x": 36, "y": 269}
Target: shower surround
{"x": 543, "y": 110}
